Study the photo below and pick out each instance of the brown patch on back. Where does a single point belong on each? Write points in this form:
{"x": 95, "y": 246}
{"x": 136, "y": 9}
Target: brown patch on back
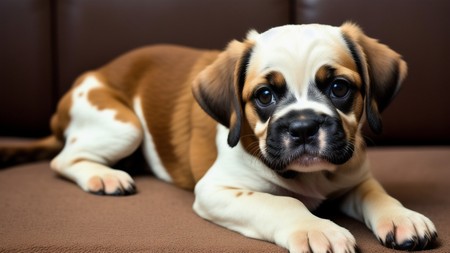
{"x": 203, "y": 151}
{"x": 183, "y": 134}
{"x": 105, "y": 98}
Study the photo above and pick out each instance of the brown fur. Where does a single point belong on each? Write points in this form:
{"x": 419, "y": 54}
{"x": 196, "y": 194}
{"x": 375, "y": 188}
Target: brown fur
{"x": 186, "y": 147}
{"x": 175, "y": 109}
{"x": 384, "y": 71}
{"x": 217, "y": 88}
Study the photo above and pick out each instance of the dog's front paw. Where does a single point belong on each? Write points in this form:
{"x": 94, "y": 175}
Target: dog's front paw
{"x": 404, "y": 229}
{"x": 321, "y": 236}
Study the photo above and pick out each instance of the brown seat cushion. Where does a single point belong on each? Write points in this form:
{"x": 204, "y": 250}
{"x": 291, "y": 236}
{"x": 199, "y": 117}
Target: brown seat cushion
{"x": 40, "y": 211}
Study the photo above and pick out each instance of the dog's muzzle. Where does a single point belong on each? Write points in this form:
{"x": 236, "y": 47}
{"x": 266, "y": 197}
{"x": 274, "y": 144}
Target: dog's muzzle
{"x": 301, "y": 139}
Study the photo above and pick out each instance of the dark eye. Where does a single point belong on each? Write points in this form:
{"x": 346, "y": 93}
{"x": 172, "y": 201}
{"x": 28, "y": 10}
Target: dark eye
{"x": 339, "y": 88}
{"x": 264, "y": 96}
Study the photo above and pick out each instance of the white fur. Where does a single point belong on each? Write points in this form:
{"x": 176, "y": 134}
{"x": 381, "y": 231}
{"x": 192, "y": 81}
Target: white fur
{"x": 319, "y": 108}
{"x": 297, "y": 52}
{"x": 264, "y": 213}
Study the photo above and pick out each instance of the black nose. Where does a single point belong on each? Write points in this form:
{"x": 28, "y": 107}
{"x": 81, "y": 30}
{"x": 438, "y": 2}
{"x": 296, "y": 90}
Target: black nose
{"x": 303, "y": 128}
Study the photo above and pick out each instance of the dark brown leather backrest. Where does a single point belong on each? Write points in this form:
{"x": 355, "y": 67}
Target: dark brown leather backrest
{"x": 26, "y": 85}
{"x": 90, "y": 32}
{"x": 45, "y": 44}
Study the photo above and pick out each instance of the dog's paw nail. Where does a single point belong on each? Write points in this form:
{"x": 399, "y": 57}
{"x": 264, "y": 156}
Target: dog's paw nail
{"x": 118, "y": 192}
{"x": 408, "y": 245}
{"x": 414, "y": 243}
{"x": 99, "y": 192}
{"x": 390, "y": 240}
{"x": 130, "y": 190}
{"x": 434, "y": 236}
{"x": 426, "y": 241}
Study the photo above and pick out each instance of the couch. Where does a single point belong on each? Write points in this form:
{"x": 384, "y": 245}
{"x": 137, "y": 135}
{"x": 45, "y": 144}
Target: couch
{"x": 46, "y": 43}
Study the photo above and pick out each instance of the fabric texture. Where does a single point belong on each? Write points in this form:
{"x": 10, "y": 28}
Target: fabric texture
{"x": 41, "y": 212}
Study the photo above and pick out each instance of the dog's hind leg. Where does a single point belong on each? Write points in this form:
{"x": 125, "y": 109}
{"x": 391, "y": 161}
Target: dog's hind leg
{"x": 99, "y": 129}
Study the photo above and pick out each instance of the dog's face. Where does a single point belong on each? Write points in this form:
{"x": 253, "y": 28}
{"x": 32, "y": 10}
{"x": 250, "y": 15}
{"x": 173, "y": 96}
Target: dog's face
{"x": 296, "y": 96}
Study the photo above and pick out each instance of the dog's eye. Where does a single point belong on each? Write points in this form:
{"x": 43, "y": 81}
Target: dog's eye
{"x": 264, "y": 96}
{"x": 339, "y": 88}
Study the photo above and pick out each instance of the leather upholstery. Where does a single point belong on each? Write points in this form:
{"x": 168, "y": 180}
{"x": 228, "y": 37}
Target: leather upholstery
{"x": 90, "y": 32}
{"x": 26, "y": 86}
{"x": 46, "y": 44}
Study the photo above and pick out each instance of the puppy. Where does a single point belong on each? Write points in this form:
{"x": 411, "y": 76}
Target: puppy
{"x": 263, "y": 132}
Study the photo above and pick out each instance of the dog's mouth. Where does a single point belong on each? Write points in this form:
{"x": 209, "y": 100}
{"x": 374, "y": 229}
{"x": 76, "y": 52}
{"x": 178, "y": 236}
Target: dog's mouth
{"x": 307, "y": 160}
{"x": 304, "y": 163}
{"x": 310, "y": 163}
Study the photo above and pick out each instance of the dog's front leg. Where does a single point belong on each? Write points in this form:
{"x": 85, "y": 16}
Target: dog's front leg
{"x": 283, "y": 220}
{"x": 394, "y": 225}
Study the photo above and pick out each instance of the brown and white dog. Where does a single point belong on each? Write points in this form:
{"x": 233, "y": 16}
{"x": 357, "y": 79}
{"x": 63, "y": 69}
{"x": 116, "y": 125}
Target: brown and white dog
{"x": 265, "y": 131}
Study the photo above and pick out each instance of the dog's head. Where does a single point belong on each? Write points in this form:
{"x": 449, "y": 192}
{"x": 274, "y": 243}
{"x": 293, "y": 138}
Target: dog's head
{"x": 297, "y": 96}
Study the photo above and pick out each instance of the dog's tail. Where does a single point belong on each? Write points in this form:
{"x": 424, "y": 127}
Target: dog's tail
{"x": 15, "y": 153}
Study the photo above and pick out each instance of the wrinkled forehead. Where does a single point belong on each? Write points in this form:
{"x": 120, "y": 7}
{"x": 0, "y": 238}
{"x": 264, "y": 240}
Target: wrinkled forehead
{"x": 298, "y": 51}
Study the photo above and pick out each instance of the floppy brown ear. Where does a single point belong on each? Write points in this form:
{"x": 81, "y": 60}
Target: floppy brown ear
{"x": 218, "y": 88}
{"x": 382, "y": 69}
